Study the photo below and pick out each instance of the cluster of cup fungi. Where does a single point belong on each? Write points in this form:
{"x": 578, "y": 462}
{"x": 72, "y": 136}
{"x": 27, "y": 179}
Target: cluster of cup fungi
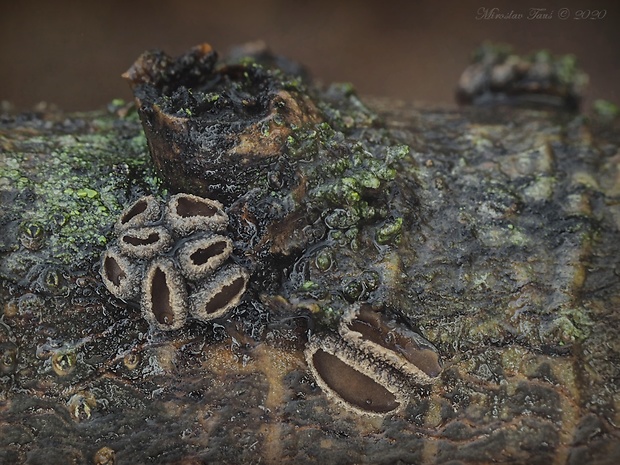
{"x": 373, "y": 364}
{"x": 174, "y": 260}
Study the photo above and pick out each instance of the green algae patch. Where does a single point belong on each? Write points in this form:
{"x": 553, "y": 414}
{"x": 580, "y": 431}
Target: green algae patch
{"x": 62, "y": 190}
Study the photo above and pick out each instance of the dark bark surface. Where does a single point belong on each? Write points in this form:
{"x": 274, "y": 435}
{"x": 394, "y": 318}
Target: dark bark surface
{"x": 506, "y": 259}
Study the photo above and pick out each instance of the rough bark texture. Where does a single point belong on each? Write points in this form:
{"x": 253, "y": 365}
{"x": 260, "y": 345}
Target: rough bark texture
{"x": 506, "y": 259}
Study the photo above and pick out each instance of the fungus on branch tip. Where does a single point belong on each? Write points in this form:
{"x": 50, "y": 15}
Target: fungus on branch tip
{"x": 217, "y": 129}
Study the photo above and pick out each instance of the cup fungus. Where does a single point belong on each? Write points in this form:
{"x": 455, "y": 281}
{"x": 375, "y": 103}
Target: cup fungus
{"x": 199, "y": 257}
{"x": 353, "y": 379}
{"x": 120, "y": 275}
{"x": 187, "y": 213}
{"x": 145, "y": 242}
{"x": 164, "y": 297}
{"x": 166, "y": 257}
{"x": 384, "y": 339}
{"x": 143, "y": 211}
{"x": 217, "y": 296}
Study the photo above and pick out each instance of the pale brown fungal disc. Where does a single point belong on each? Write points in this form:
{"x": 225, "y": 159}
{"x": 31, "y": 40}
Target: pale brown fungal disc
{"x": 164, "y": 296}
{"x": 81, "y": 405}
{"x": 220, "y": 294}
{"x": 353, "y": 380}
{"x": 143, "y": 211}
{"x": 105, "y": 456}
{"x": 200, "y": 257}
{"x": 120, "y": 276}
{"x": 144, "y": 242}
{"x": 187, "y": 213}
{"x": 386, "y": 340}
{"x": 131, "y": 361}
{"x": 64, "y": 362}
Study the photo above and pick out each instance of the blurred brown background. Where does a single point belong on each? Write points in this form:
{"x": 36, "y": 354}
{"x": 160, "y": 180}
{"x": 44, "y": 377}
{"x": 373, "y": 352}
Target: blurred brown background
{"x": 72, "y": 53}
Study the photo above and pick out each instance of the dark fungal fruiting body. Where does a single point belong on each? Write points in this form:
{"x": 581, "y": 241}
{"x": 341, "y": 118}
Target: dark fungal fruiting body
{"x": 382, "y": 338}
{"x": 145, "y": 242}
{"x": 354, "y": 380}
{"x": 374, "y": 363}
{"x": 198, "y": 258}
{"x": 166, "y": 255}
{"x": 164, "y": 297}
{"x": 187, "y": 213}
{"x": 143, "y": 211}
{"x": 120, "y": 275}
{"x": 216, "y": 297}
{"x": 362, "y": 393}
